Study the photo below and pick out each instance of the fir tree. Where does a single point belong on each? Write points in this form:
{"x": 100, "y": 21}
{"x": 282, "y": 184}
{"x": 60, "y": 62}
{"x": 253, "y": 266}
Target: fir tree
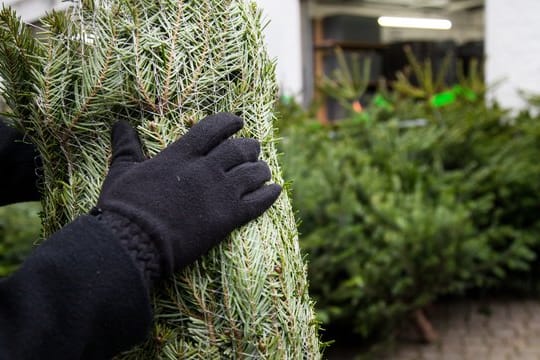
{"x": 163, "y": 65}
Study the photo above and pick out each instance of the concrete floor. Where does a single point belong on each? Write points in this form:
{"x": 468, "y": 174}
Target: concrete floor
{"x": 470, "y": 330}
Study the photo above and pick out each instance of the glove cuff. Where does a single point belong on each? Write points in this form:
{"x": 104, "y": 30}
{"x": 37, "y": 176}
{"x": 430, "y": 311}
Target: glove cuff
{"x": 136, "y": 242}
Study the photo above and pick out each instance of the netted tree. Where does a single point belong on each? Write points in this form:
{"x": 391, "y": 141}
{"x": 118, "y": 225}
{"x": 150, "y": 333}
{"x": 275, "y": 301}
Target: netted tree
{"x": 164, "y": 65}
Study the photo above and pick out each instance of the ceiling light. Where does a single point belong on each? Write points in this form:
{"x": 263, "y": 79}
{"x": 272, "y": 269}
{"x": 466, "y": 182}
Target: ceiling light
{"x": 415, "y": 23}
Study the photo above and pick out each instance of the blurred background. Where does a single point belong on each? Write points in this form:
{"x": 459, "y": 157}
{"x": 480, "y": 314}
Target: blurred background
{"x": 411, "y": 142}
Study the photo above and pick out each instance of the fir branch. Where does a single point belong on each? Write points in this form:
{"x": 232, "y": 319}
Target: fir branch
{"x": 95, "y": 79}
{"x": 20, "y": 56}
{"x": 171, "y": 56}
{"x": 144, "y": 91}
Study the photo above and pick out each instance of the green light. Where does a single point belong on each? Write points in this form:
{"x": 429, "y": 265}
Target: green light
{"x": 443, "y": 99}
{"x": 381, "y": 102}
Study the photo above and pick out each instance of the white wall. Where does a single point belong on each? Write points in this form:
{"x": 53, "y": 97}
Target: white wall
{"x": 33, "y": 10}
{"x": 284, "y": 42}
{"x": 513, "y": 49}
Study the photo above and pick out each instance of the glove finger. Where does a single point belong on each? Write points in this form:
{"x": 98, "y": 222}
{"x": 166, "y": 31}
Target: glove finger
{"x": 210, "y": 132}
{"x": 233, "y": 152}
{"x": 126, "y": 145}
{"x": 249, "y": 177}
{"x": 258, "y": 201}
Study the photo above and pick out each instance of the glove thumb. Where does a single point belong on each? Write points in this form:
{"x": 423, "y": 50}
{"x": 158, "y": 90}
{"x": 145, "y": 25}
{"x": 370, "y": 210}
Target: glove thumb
{"x": 126, "y": 145}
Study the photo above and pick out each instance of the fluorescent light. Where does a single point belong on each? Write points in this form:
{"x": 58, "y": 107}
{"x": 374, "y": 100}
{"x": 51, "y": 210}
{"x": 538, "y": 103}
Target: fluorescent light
{"x": 415, "y": 23}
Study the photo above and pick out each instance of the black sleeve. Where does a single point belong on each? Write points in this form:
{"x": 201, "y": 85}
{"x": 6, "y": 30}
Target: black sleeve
{"x": 18, "y": 163}
{"x": 78, "y": 296}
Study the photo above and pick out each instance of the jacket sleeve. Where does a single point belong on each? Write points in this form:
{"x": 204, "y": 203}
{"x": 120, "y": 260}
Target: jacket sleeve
{"x": 18, "y": 164}
{"x": 78, "y": 296}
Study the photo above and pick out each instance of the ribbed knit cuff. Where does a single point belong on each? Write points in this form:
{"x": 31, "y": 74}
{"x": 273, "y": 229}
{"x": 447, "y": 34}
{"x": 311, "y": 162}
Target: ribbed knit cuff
{"x": 136, "y": 242}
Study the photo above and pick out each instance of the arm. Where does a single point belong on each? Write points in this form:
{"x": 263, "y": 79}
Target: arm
{"x": 17, "y": 168}
{"x": 78, "y": 296}
{"x": 83, "y": 294}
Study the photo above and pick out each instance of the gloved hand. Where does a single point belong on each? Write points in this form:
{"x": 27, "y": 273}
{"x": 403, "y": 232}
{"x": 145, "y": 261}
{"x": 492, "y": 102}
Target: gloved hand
{"x": 190, "y": 196}
{"x": 19, "y": 163}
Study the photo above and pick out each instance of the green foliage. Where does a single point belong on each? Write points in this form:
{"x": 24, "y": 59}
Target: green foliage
{"x": 474, "y": 79}
{"x": 396, "y": 213}
{"x": 19, "y": 229}
{"x": 290, "y": 113}
{"x": 431, "y": 87}
{"x": 20, "y": 63}
{"x": 349, "y": 81}
{"x": 429, "y": 83}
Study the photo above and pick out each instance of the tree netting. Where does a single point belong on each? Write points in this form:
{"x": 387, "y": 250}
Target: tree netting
{"x": 164, "y": 65}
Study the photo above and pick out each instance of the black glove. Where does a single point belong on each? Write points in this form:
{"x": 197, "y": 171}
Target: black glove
{"x": 189, "y": 197}
{"x": 19, "y": 162}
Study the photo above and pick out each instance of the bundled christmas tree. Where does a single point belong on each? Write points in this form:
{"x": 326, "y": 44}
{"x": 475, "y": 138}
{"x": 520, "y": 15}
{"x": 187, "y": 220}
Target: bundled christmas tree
{"x": 164, "y": 65}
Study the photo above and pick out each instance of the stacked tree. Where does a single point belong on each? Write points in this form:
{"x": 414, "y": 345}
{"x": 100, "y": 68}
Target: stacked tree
{"x": 164, "y": 65}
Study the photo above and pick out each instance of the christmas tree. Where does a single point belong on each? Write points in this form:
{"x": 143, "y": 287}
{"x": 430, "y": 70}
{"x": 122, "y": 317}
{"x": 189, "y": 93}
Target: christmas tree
{"x": 164, "y": 65}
